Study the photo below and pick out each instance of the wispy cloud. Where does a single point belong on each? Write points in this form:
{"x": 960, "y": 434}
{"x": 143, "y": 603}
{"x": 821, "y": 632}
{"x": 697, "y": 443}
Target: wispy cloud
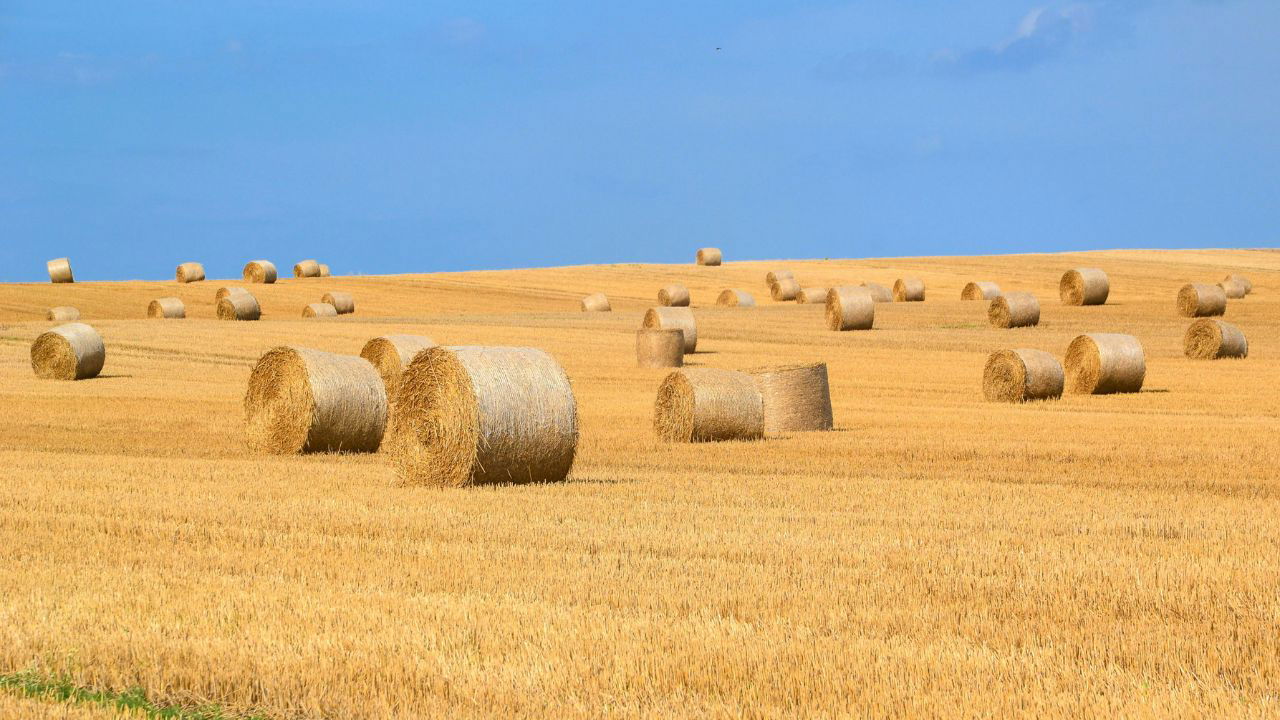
{"x": 1043, "y": 34}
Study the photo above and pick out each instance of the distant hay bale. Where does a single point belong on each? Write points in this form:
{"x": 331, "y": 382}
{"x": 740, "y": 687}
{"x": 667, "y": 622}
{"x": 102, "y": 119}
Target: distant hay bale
{"x": 390, "y": 355}
{"x": 596, "y": 302}
{"x": 659, "y": 348}
{"x": 260, "y": 271}
{"x": 1248, "y": 286}
{"x": 341, "y": 301}
{"x": 1211, "y": 338}
{"x": 850, "y": 308}
{"x": 810, "y": 296}
{"x": 482, "y": 416}
{"x": 1084, "y": 286}
{"x": 229, "y": 290}
{"x": 674, "y": 319}
{"x": 1103, "y": 363}
{"x": 980, "y": 291}
{"x": 1014, "y": 310}
{"x": 736, "y": 298}
{"x": 1232, "y": 289}
{"x": 674, "y": 296}
{"x": 62, "y": 314}
{"x": 68, "y": 352}
{"x": 709, "y": 256}
{"x": 304, "y": 401}
{"x": 785, "y": 289}
{"x": 1021, "y": 375}
{"x": 324, "y": 270}
{"x": 908, "y": 290}
{"x": 189, "y": 272}
{"x": 320, "y": 309}
{"x": 772, "y": 277}
{"x": 1201, "y": 300}
{"x": 707, "y": 405}
{"x": 796, "y": 398}
{"x": 306, "y": 268}
{"x": 60, "y": 271}
{"x": 170, "y": 308}
{"x": 240, "y": 305}
{"x": 879, "y": 293}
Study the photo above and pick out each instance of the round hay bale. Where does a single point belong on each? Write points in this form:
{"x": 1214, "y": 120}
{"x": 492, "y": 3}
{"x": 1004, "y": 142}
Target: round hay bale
{"x": 850, "y": 308}
{"x": 1084, "y": 286}
{"x": 736, "y": 298}
{"x": 785, "y": 289}
{"x": 60, "y": 271}
{"x": 1200, "y": 300}
{"x": 1248, "y": 286}
{"x": 189, "y": 272}
{"x": 1232, "y": 289}
{"x": 1211, "y": 338}
{"x": 709, "y": 256}
{"x": 1103, "y": 363}
{"x": 796, "y": 398}
{"x": 674, "y": 319}
{"x": 674, "y": 296}
{"x": 304, "y": 401}
{"x": 772, "y": 277}
{"x": 167, "y": 308}
{"x": 319, "y": 309}
{"x": 484, "y": 415}
{"x": 809, "y": 296}
{"x": 390, "y": 355}
{"x": 596, "y": 302}
{"x": 707, "y": 405}
{"x": 229, "y": 290}
{"x": 980, "y": 291}
{"x": 341, "y": 301}
{"x": 260, "y": 271}
{"x": 68, "y": 352}
{"x": 1021, "y": 375}
{"x": 239, "y": 306}
{"x": 908, "y": 290}
{"x": 659, "y": 348}
{"x": 879, "y": 293}
{"x": 324, "y": 270}
{"x": 1013, "y": 310}
{"x": 306, "y": 268}
{"x": 62, "y": 314}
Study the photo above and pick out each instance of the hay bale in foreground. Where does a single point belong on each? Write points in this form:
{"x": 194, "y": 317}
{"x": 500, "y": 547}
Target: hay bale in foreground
{"x": 484, "y": 415}
{"x": 306, "y": 268}
{"x": 1201, "y": 300}
{"x": 980, "y": 291}
{"x": 735, "y": 298}
{"x": 1211, "y": 338}
{"x": 674, "y": 319}
{"x": 239, "y": 306}
{"x": 304, "y": 401}
{"x": 324, "y": 270}
{"x": 675, "y": 295}
{"x": 709, "y": 256}
{"x": 259, "y": 271}
{"x": 1014, "y": 310}
{"x": 1084, "y": 286}
{"x": 319, "y": 309}
{"x": 796, "y": 398}
{"x": 707, "y": 405}
{"x": 1103, "y": 363}
{"x": 229, "y": 290}
{"x": 785, "y": 289}
{"x": 596, "y": 302}
{"x": 170, "y": 308}
{"x": 850, "y": 308}
{"x": 1021, "y": 375}
{"x": 1232, "y": 289}
{"x": 60, "y": 271}
{"x": 659, "y": 348}
{"x": 341, "y": 301}
{"x": 1248, "y": 286}
{"x": 62, "y": 313}
{"x": 189, "y": 272}
{"x": 879, "y": 293}
{"x": 908, "y": 290}
{"x": 810, "y": 296}
{"x": 390, "y": 355}
{"x": 68, "y": 352}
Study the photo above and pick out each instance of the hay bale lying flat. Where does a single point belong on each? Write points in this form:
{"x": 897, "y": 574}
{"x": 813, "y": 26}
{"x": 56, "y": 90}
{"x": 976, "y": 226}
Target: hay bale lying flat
{"x": 324, "y": 270}
{"x": 658, "y": 348}
{"x": 736, "y": 298}
{"x": 796, "y": 398}
{"x": 62, "y": 314}
{"x": 68, "y": 352}
{"x": 809, "y": 296}
{"x": 260, "y": 271}
{"x": 785, "y": 289}
{"x": 1013, "y": 310}
{"x": 341, "y": 301}
{"x": 1211, "y": 338}
{"x": 980, "y": 291}
{"x": 709, "y": 256}
{"x": 1103, "y": 363}
{"x": 239, "y": 306}
{"x": 170, "y": 308}
{"x": 1084, "y": 286}
{"x": 674, "y": 319}
{"x": 674, "y": 296}
{"x": 319, "y": 309}
{"x": 1200, "y": 300}
{"x": 189, "y": 272}
{"x": 879, "y": 293}
{"x": 1020, "y": 375}
{"x": 772, "y": 277}
{"x": 306, "y": 268}
{"x": 229, "y": 290}
{"x": 1232, "y": 289}
{"x": 908, "y": 290}
{"x": 304, "y": 401}
{"x": 1248, "y": 286}
{"x": 60, "y": 271}
{"x": 390, "y": 355}
{"x": 850, "y": 308}
{"x": 707, "y": 405}
{"x": 484, "y": 415}
{"x": 596, "y": 302}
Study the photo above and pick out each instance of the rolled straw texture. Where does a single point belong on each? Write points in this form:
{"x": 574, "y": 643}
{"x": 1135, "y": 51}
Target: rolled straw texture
{"x": 772, "y": 277}
{"x": 1021, "y": 375}
{"x": 68, "y": 352}
{"x": 1211, "y": 338}
{"x": 1248, "y": 286}
{"x": 62, "y": 314}
{"x": 324, "y": 270}
{"x": 810, "y": 296}
{"x": 189, "y": 272}
{"x": 1232, "y": 289}
{"x": 908, "y": 290}
{"x": 850, "y": 308}
{"x": 707, "y": 405}
{"x": 1084, "y": 286}
{"x": 674, "y": 296}
{"x": 879, "y": 293}
{"x": 796, "y": 398}
{"x": 484, "y": 415}
{"x": 659, "y": 348}
{"x": 709, "y": 256}
{"x": 1200, "y": 300}
{"x": 306, "y": 268}
{"x": 60, "y": 271}
{"x": 390, "y": 355}
{"x": 785, "y": 289}
{"x": 674, "y": 319}
{"x": 736, "y": 298}
{"x": 596, "y": 302}
{"x": 980, "y": 291}
{"x": 167, "y": 308}
{"x": 1014, "y": 310}
{"x": 320, "y": 309}
{"x": 303, "y": 401}
{"x": 341, "y": 301}
{"x": 239, "y": 306}
{"x": 1103, "y": 363}
{"x": 260, "y": 271}
{"x": 229, "y": 290}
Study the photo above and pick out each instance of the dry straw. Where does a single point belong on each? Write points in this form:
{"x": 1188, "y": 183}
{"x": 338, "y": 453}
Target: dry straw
{"x": 710, "y": 256}
{"x": 390, "y": 355}
{"x": 229, "y": 290}
{"x": 596, "y": 302}
{"x": 674, "y": 296}
{"x": 785, "y": 289}
{"x": 810, "y": 296}
{"x": 1232, "y": 289}
{"x": 1103, "y": 363}
{"x": 60, "y": 271}
{"x": 674, "y": 319}
{"x": 189, "y": 272}
{"x": 1020, "y": 375}
{"x": 1211, "y": 338}
{"x": 908, "y": 290}
{"x": 260, "y": 271}
{"x": 657, "y": 348}
{"x": 879, "y": 293}
{"x": 1013, "y": 310}
{"x": 772, "y": 277}
{"x": 62, "y": 314}
{"x": 708, "y": 404}
{"x": 167, "y": 308}
{"x": 341, "y": 301}
{"x": 1200, "y": 300}
{"x": 1084, "y": 286}
{"x": 980, "y": 291}
{"x": 324, "y": 270}
{"x": 68, "y": 352}
{"x": 1248, "y": 286}
{"x": 302, "y": 400}
{"x": 736, "y": 298}
{"x": 240, "y": 305}
{"x": 482, "y": 416}
{"x": 306, "y": 268}
{"x": 796, "y": 398}
{"x": 319, "y": 309}
{"x": 850, "y": 308}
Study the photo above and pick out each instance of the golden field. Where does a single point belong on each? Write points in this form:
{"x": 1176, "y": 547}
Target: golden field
{"x": 935, "y": 555}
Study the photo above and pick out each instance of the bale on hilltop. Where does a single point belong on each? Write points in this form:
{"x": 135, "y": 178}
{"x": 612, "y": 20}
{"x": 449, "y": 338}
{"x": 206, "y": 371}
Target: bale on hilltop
{"x": 796, "y": 398}
{"x": 68, "y": 352}
{"x": 241, "y": 305}
{"x": 170, "y": 308}
{"x": 735, "y": 298}
{"x": 320, "y": 309}
{"x": 324, "y": 270}
{"x": 879, "y": 293}
{"x": 1211, "y": 338}
{"x": 1084, "y": 286}
{"x": 709, "y": 256}
{"x": 677, "y": 319}
{"x": 1232, "y": 289}
{"x": 706, "y": 405}
{"x": 1248, "y": 286}
{"x": 980, "y": 291}
{"x": 306, "y": 268}
{"x": 674, "y": 295}
{"x": 908, "y": 290}
{"x": 785, "y": 289}
{"x": 812, "y": 295}
{"x": 260, "y": 271}
{"x": 659, "y": 348}
{"x": 596, "y": 302}
{"x": 60, "y": 271}
{"x": 1014, "y": 310}
{"x": 1104, "y": 363}
{"x": 390, "y": 355}
{"x": 341, "y": 301}
{"x": 189, "y": 272}
{"x": 850, "y": 308}
{"x": 1201, "y": 300}
{"x": 62, "y": 313}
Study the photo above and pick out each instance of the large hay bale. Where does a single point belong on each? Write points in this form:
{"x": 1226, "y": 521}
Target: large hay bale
{"x": 1014, "y": 310}
{"x": 189, "y": 272}
{"x": 68, "y": 352}
{"x": 675, "y": 295}
{"x": 484, "y": 415}
{"x": 879, "y": 293}
{"x": 710, "y": 256}
{"x": 810, "y": 296}
{"x": 980, "y": 291}
{"x": 1248, "y": 286}
{"x": 785, "y": 289}
{"x": 772, "y": 277}
{"x": 170, "y": 308}
{"x": 908, "y": 290}
{"x": 736, "y": 298}
{"x": 239, "y": 306}
{"x": 62, "y": 313}
{"x": 229, "y": 290}
{"x": 1103, "y": 363}
{"x": 596, "y": 302}
{"x": 303, "y": 401}
{"x": 324, "y": 270}
{"x": 1211, "y": 338}
{"x": 850, "y": 308}
{"x": 1232, "y": 289}
{"x": 1201, "y": 300}
{"x": 1021, "y": 375}
{"x": 60, "y": 271}
{"x": 796, "y": 398}
{"x": 320, "y": 309}
{"x": 306, "y": 268}
{"x": 706, "y": 405}
{"x": 341, "y": 301}
{"x": 674, "y": 319}
{"x": 390, "y": 355}
{"x": 659, "y": 348}
{"x": 260, "y": 271}
{"x": 1084, "y": 286}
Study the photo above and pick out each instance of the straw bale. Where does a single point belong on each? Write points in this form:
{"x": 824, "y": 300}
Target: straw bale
{"x": 850, "y": 308}
{"x": 1103, "y": 363}
{"x": 796, "y": 398}
{"x": 1084, "y": 286}
{"x": 674, "y": 319}
{"x": 1014, "y": 310}
{"x": 1201, "y": 300}
{"x": 68, "y": 352}
{"x": 708, "y": 404}
{"x": 1211, "y": 338}
{"x": 1021, "y": 375}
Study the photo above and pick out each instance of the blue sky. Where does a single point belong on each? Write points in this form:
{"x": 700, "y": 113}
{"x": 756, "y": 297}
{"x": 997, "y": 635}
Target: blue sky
{"x": 390, "y": 137}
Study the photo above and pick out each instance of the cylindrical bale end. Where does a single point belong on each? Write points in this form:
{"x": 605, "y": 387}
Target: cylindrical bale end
{"x": 709, "y": 256}
{"x": 390, "y": 355}
{"x": 1104, "y": 363}
{"x": 1014, "y": 310}
{"x": 810, "y": 296}
{"x": 980, "y": 291}
{"x": 706, "y": 405}
{"x": 796, "y": 398}
{"x": 342, "y": 302}
{"x": 785, "y": 289}
{"x": 674, "y": 296}
{"x": 240, "y": 305}
{"x": 60, "y": 271}
{"x": 320, "y": 309}
{"x": 189, "y": 272}
{"x": 735, "y": 298}
{"x": 306, "y": 268}
{"x": 168, "y": 308}
{"x": 1211, "y": 338}
{"x": 674, "y": 319}
{"x": 260, "y": 271}
{"x": 772, "y": 277}
{"x": 1201, "y": 300}
{"x": 1021, "y": 375}
{"x": 1084, "y": 286}
{"x": 596, "y": 302}
{"x": 68, "y": 352}
{"x": 850, "y": 308}
{"x": 908, "y": 290}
